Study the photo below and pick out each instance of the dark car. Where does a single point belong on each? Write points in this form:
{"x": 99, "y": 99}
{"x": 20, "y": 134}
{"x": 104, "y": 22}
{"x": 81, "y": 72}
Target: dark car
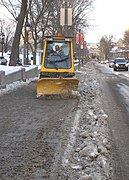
{"x": 121, "y": 64}
{"x": 3, "y": 61}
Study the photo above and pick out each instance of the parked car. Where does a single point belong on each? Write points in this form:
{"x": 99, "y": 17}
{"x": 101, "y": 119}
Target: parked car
{"x": 121, "y": 64}
{"x": 3, "y": 61}
{"x": 111, "y": 63}
{"x": 104, "y": 61}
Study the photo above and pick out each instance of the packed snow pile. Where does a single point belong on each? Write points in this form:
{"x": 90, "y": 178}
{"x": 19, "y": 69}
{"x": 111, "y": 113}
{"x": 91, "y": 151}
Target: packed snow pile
{"x": 91, "y": 156}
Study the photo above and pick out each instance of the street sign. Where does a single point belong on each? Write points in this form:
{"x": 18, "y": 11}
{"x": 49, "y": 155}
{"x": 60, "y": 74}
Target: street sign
{"x": 69, "y": 23}
{"x": 81, "y": 37}
{"x": 77, "y": 37}
{"x": 84, "y": 43}
{"x": 66, "y": 16}
{"x": 62, "y": 16}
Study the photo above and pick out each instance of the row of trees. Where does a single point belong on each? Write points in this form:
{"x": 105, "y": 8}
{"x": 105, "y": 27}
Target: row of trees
{"x": 107, "y": 43}
{"x": 44, "y": 19}
{"x": 7, "y": 29}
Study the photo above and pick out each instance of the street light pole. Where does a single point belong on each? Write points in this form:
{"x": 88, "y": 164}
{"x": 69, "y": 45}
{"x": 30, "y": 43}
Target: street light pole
{"x": 2, "y": 37}
{"x": 2, "y": 44}
{"x": 79, "y": 64}
{"x": 66, "y": 19}
{"x": 27, "y": 28}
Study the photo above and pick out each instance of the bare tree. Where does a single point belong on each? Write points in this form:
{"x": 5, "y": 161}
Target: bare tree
{"x": 39, "y": 14}
{"x": 44, "y": 17}
{"x": 18, "y": 32}
{"x": 126, "y": 38}
{"x": 80, "y": 14}
{"x": 120, "y": 43}
{"x": 106, "y": 44}
{"x": 14, "y": 7}
{"x": 9, "y": 34}
{"x": 81, "y": 11}
{"x": 8, "y": 31}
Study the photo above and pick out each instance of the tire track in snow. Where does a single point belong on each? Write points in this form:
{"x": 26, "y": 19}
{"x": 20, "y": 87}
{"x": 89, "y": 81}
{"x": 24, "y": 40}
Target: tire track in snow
{"x": 72, "y": 139}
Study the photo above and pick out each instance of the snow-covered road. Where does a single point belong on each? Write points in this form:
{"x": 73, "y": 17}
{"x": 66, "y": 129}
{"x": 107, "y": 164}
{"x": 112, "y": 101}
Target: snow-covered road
{"x": 105, "y": 69}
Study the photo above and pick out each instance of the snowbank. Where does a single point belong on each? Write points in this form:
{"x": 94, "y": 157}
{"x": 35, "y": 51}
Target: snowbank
{"x": 10, "y": 74}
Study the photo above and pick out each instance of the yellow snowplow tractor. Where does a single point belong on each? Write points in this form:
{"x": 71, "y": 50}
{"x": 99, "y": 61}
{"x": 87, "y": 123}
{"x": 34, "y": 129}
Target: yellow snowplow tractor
{"x": 57, "y": 71}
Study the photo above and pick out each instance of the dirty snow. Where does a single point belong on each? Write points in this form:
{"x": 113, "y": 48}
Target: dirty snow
{"x": 71, "y": 142}
{"x": 15, "y": 85}
{"x": 90, "y": 156}
{"x": 87, "y": 156}
{"x": 124, "y": 90}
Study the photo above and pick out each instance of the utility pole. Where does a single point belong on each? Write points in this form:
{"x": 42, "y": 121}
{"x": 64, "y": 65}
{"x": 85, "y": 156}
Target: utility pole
{"x": 79, "y": 64}
{"x": 2, "y": 38}
{"x": 66, "y": 19}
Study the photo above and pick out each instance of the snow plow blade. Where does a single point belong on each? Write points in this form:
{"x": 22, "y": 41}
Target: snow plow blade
{"x": 53, "y": 86}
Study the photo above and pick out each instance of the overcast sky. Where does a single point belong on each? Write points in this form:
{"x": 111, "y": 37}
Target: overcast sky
{"x": 110, "y": 17}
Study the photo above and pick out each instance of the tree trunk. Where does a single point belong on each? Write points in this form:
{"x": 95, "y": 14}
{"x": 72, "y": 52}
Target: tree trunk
{"x": 17, "y": 36}
{"x": 34, "y": 57}
{"x": 35, "y": 52}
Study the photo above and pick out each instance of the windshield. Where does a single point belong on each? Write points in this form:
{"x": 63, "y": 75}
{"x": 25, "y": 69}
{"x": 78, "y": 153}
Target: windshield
{"x": 58, "y": 54}
{"x": 120, "y": 60}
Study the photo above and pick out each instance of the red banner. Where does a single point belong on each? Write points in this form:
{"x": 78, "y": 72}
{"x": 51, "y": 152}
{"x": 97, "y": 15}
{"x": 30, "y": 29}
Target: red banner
{"x": 84, "y": 43}
{"x": 81, "y": 37}
{"x": 77, "y": 37}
